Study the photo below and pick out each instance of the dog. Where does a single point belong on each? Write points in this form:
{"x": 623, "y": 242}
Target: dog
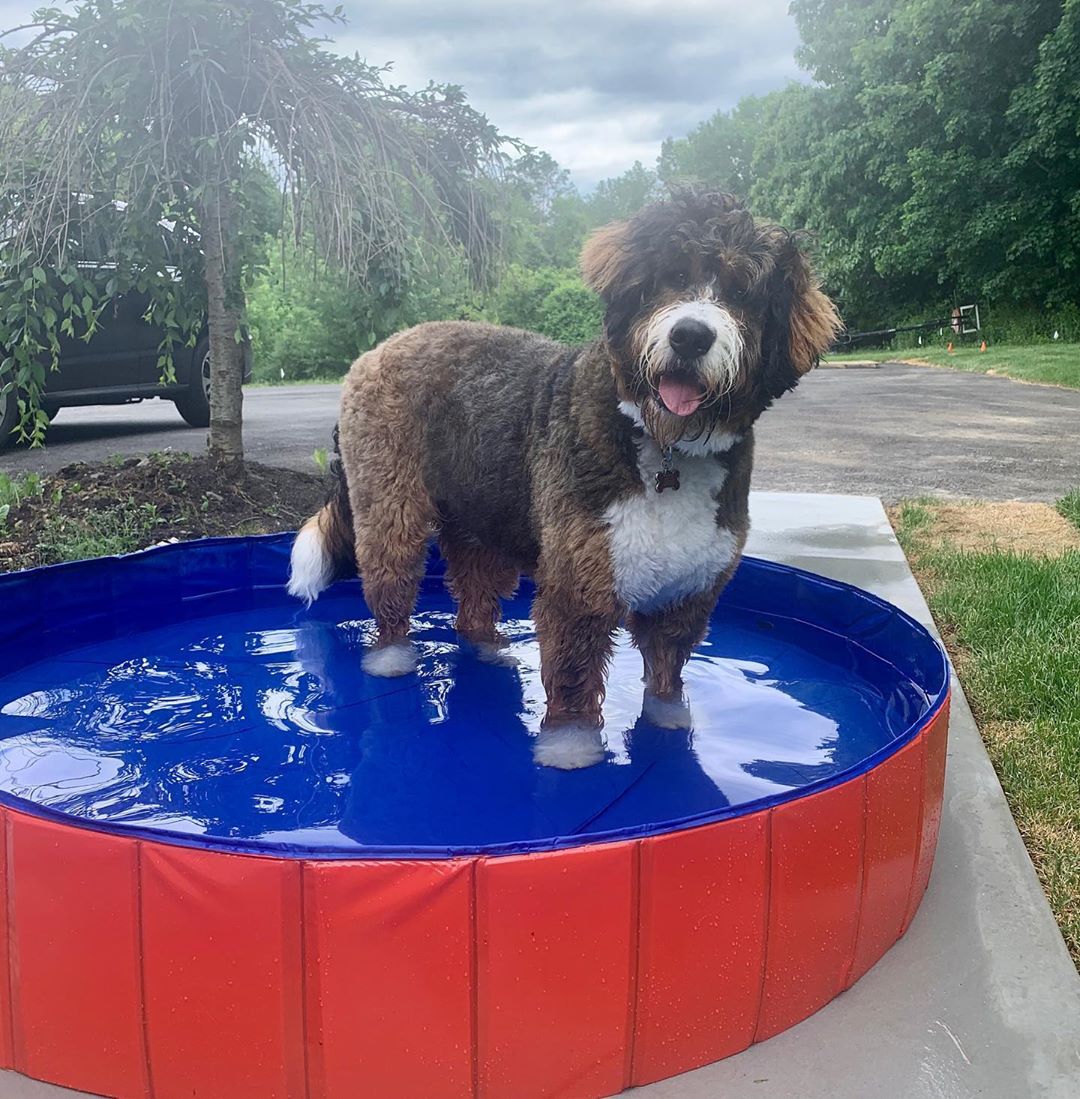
{"x": 617, "y": 473}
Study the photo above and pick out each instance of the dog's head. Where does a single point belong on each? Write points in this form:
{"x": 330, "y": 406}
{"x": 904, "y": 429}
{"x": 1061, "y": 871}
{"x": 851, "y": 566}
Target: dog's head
{"x": 709, "y": 314}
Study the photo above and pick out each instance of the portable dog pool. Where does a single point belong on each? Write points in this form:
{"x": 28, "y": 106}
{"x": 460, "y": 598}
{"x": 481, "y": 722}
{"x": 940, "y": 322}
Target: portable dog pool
{"x": 236, "y": 866}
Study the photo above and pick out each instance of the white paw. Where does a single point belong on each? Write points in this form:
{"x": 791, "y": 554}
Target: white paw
{"x": 569, "y": 747}
{"x": 666, "y": 713}
{"x": 492, "y": 653}
{"x": 390, "y": 660}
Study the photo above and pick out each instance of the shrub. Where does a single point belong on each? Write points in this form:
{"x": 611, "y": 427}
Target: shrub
{"x": 307, "y": 324}
{"x": 571, "y": 313}
{"x": 550, "y": 300}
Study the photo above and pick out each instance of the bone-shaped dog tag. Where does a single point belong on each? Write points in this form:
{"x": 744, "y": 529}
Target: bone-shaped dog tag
{"x": 667, "y": 478}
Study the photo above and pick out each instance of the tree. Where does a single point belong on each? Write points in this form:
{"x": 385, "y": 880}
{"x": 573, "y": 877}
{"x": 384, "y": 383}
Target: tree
{"x": 1042, "y": 201}
{"x": 538, "y": 179}
{"x": 623, "y": 195}
{"x": 934, "y": 158}
{"x": 719, "y": 151}
{"x": 155, "y": 110}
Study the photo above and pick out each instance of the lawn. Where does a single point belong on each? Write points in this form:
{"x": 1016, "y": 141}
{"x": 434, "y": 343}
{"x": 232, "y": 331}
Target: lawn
{"x": 1047, "y": 363}
{"x": 1010, "y": 616}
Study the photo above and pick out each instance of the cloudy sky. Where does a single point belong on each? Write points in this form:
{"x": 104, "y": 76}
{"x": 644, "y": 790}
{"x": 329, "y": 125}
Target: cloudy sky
{"x": 596, "y": 83}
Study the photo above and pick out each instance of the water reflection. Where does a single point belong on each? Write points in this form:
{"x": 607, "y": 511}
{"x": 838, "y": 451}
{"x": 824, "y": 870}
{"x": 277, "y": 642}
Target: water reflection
{"x": 260, "y": 724}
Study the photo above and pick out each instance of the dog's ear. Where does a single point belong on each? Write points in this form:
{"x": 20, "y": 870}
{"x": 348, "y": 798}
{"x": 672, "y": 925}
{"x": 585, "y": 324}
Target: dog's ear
{"x": 802, "y": 321}
{"x": 604, "y": 258}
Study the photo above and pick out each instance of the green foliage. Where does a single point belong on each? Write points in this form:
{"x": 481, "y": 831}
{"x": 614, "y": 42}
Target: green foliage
{"x": 13, "y": 490}
{"x": 571, "y": 312}
{"x": 310, "y": 320}
{"x": 546, "y": 223}
{"x": 546, "y": 219}
{"x": 98, "y": 532}
{"x": 519, "y": 298}
{"x": 1005, "y": 323}
{"x": 935, "y": 159}
{"x": 623, "y": 195}
{"x": 304, "y": 325}
{"x": 44, "y": 309}
{"x": 550, "y": 300}
{"x": 720, "y": 150}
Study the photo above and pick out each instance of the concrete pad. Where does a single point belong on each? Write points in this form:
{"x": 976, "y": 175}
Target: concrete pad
{"x": 980, "y": 998}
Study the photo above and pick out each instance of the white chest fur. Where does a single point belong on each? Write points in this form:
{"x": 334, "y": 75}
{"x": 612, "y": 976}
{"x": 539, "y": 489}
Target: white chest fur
{"x": 667, "y": 545}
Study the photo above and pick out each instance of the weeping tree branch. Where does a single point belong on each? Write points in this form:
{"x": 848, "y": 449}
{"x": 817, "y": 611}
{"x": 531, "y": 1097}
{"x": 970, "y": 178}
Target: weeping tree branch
{"x": 174, "y": 109}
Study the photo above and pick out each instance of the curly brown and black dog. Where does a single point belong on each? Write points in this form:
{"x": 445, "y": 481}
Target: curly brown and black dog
{"x": 617, "y": 473}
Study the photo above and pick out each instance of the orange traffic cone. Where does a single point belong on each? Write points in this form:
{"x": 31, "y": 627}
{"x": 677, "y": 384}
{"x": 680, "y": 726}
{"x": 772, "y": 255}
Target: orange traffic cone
{"x": 982, "y": 346}
{"x": 949, "y": 347}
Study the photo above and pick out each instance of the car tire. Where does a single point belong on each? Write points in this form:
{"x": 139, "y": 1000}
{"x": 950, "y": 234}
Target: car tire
{"x": 194, "y": 403}
{"x": 9, "y": 417}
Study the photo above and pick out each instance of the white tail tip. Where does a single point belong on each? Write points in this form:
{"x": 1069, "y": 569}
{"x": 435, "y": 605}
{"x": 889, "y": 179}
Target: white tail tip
{"x": 310, "y": 569}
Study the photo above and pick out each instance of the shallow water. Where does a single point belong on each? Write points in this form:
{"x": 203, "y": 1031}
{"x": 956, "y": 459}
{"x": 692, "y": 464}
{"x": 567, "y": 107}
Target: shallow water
{"x": 255, "y": 724}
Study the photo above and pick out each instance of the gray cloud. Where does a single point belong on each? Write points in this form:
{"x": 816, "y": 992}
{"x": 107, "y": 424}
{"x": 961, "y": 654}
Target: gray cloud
{"x": 596, "y": 83}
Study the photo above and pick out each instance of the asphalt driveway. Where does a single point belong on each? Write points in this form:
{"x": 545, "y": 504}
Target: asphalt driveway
{"x": 894, "y": 431}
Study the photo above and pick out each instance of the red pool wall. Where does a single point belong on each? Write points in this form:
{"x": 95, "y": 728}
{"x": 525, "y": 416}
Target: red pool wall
{"x": 143, "y": 969}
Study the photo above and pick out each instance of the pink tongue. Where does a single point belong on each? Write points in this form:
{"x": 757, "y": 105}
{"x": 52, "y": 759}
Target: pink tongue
{"x": 681, "y": 398}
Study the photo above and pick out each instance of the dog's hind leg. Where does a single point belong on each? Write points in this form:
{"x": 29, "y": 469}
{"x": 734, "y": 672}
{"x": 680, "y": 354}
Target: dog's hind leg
{"x": 391, "y": 545}
{"x": 393, "y": 518}
{"x": 477, "y": 578}
{"x": 393, "y": 514}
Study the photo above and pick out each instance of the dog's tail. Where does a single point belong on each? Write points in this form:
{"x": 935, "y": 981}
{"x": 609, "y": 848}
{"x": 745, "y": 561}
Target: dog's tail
{"x": 324, "y": 548}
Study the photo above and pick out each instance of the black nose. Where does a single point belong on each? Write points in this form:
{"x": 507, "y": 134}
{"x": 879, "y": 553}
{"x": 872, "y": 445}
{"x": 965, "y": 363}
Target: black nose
{"x": 690, "y": 339}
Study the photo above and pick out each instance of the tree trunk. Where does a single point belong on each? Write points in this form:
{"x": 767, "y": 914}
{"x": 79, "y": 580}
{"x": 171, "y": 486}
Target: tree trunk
{"x": 225, "y": 309}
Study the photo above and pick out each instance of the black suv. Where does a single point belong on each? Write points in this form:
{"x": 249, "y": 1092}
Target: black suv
{"x": 118, "y": 366}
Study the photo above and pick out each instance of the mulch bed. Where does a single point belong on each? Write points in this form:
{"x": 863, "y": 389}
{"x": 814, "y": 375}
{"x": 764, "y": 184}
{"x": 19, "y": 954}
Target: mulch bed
{"x": 153, "y": 499}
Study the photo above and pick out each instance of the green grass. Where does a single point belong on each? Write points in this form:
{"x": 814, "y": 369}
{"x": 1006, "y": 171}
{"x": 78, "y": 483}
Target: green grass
{"x": 1069, "y": 506}
{"x": 1012, "y": 623}
{"x": 1048, "y": 363}
{"x": 275, "y": 383}
{"x": 119, "y": 529}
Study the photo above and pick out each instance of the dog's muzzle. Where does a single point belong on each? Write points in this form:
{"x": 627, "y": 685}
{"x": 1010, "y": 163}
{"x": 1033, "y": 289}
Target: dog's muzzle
{"x": 691, "y": 350}
{"x": 680, "y": 388}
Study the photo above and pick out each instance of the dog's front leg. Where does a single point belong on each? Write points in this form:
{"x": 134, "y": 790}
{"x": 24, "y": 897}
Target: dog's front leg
{"x": 666, "y": 638}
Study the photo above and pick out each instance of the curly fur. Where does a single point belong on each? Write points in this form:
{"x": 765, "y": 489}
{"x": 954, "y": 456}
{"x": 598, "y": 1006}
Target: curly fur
{"x": 522, "y": 455}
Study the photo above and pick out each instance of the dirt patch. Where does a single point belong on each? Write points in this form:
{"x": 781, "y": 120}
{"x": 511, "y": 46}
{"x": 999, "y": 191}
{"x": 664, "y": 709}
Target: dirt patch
{"x": 1004, "y": 734}
{"x": 89, "y": 509}
{"x": 1035, "y": 529}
